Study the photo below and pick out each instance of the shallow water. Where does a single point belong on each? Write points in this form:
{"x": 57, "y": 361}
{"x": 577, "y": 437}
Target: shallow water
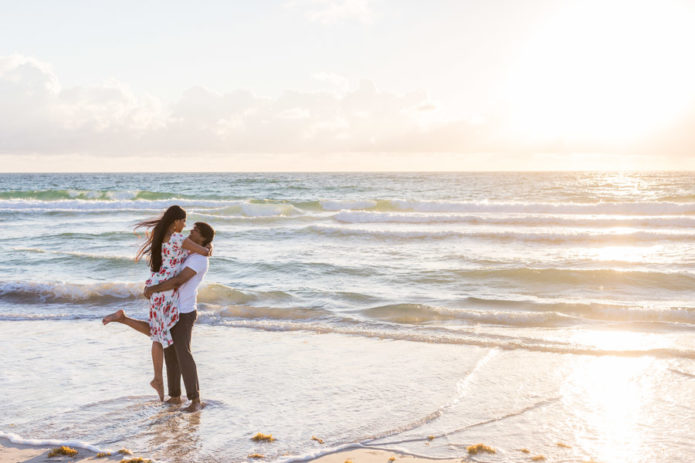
{"x": 519, "y": 310}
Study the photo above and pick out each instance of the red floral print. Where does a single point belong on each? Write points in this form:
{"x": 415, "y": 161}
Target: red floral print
{"x": 164, "y": 306}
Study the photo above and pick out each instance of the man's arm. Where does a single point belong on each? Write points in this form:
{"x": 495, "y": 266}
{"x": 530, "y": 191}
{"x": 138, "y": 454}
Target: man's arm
{"x": 172, "y": 283}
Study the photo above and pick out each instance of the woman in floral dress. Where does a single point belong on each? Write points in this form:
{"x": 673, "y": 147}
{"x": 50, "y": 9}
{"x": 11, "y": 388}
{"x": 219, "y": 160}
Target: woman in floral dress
{"x": 166, "y": 249}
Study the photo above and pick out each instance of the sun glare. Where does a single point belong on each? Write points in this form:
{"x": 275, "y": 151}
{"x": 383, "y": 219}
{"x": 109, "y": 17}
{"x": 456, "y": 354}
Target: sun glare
{"x": 612, "y": 396}
{"x": 605, "y": 72}
{"x": 613, "y": 340}
{"x": 619, "y": 253}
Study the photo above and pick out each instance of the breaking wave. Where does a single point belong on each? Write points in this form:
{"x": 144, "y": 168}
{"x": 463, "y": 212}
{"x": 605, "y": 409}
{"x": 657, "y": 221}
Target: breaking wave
{"x": 447, "y": 336}
{"x": 632, "y": 208}
{"x": 574, "y": 276}
{"x": 54, "y": 195}
{"x": 60, "y": 291}
{"x": 523, "y": 220}
{"x": 86, "y": 255}
{"x": 105, "y": 292}
{"x": 559, "y": 236}
{"x": 140, "y": 199}
{"x": 531, "y": 314}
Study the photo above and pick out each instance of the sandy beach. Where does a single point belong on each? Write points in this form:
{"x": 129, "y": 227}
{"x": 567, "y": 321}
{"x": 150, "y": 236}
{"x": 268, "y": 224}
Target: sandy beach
{"x": 21, "y": 453}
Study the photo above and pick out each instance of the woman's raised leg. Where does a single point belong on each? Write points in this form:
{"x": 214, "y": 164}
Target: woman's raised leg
{"x": 119, "y": 316}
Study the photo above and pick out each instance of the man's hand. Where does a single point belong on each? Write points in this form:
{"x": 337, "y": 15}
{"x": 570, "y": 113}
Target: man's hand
{"x": 209, "y": 246}
{"x": 172, "y": 283}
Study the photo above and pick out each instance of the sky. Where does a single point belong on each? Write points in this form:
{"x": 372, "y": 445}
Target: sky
{"x": 347, "y": 85}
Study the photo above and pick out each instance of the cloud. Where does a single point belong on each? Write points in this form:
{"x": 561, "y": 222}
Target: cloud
{"x": 38, "y": 116}
{"x": 337, "y": 81}
{"x": 332, "y": 11}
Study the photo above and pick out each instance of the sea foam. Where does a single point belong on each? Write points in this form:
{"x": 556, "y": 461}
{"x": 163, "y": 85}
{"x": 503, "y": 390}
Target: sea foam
{"x": 16, "y": 439}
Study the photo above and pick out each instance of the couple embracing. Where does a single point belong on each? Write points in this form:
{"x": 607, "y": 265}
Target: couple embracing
{"x": 178, "y": 265}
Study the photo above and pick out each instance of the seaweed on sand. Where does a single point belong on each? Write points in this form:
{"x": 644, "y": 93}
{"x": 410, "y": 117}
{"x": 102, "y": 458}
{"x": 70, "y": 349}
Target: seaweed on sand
{"x": 260, "y": 437}
{"x": 477, "y": 448}
{"x": 62, "y": 450}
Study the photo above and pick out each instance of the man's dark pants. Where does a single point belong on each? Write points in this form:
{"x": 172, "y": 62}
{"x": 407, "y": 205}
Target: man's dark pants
{"x": 179, "y": 358}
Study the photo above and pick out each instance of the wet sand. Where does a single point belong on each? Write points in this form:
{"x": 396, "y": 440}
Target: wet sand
{"x": 16, "y": 453}
{"x": 378, "y": 456}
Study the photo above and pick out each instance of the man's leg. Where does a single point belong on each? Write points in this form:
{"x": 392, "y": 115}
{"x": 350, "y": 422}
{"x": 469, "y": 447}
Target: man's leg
{"x": 173, "y": 372}
{"x": 120, "y": 317}
{"x": 181, "y": 332}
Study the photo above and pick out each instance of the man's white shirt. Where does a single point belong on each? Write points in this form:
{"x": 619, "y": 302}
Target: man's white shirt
{"x": 188, "y": 292}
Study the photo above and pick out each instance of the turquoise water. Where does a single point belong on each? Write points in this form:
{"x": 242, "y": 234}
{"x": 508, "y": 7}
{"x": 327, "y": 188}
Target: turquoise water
{"x": 363, "y": 305}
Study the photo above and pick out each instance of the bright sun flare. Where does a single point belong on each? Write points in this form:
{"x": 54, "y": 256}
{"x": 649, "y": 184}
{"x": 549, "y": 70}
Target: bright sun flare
{"x": 605, "y": 72}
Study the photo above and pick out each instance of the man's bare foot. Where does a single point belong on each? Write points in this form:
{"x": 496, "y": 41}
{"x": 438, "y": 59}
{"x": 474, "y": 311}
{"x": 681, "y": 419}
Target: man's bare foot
{"x": 195, "y": 406}
{"x": 158, "y": 386}
{"x": 174, "y": 401}
{"x": 117, "y": 316}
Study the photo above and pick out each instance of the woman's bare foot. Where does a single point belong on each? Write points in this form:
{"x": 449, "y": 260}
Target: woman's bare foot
{"x": 158, "y": 386}
{"x": 117, "y": 316}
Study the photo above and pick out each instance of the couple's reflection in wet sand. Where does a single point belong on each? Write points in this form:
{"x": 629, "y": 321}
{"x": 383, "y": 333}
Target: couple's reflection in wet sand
{"x": 174, "y": 433}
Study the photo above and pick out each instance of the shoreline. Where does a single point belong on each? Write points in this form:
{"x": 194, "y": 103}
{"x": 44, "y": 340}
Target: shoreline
{"x": 374, "y": 455}
{"x": 11, "y": 452}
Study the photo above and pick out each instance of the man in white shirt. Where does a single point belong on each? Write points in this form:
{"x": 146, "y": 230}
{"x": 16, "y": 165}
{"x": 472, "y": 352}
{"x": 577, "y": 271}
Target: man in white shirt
{"x": 178, "y": 357}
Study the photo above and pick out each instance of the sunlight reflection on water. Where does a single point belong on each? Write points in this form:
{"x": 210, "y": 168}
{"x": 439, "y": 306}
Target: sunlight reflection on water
{"x": 610, "y": 397}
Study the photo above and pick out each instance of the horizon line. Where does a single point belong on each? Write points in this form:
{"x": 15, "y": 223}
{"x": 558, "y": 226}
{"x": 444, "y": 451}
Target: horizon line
{"x": 350, "y": 171}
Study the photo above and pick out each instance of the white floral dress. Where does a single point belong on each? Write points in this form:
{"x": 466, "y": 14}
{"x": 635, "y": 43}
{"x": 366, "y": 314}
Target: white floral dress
{"x": 164, "y": 306}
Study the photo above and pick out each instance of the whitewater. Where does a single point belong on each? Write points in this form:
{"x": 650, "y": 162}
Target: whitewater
{"x": 515, "y": 309}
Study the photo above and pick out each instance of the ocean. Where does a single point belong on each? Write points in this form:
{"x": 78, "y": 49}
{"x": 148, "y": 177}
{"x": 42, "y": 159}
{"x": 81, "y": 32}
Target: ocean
{"x": 419, "y": 312}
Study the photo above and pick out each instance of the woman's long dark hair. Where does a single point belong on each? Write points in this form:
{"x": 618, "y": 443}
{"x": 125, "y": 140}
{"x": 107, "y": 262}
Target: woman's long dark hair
{"x": 152, "y": 248}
